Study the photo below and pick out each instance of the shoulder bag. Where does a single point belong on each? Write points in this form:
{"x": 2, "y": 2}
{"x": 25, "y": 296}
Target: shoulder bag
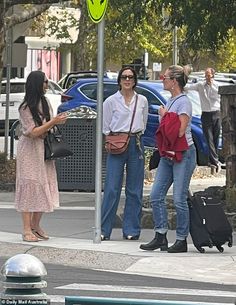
{"x": 118, "y": 143}
{"x": 55, "y": 145}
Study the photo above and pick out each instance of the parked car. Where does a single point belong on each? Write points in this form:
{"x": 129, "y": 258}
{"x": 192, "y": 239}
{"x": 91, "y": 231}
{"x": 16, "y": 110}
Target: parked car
{"x": 71, "y": 78}
{"x": 222, "y": 78}
{"x": 84, "y": 92}
{"x": 17, "y": 92}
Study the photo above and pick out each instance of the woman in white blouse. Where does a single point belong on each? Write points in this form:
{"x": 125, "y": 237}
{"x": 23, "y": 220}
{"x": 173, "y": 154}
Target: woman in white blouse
{"x": 117, "y": 115}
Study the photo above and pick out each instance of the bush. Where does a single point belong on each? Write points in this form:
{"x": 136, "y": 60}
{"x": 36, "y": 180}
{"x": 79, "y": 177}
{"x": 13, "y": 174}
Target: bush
{"x": 7, "y": 169}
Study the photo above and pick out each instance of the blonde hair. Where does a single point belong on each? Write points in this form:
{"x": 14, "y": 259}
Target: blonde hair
{"x": 180, "y": 74}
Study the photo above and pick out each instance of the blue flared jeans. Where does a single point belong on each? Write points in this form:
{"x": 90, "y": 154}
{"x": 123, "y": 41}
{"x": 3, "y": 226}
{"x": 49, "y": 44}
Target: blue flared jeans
{"x": 178, "y": 173}
{"x": 133, "y": 161}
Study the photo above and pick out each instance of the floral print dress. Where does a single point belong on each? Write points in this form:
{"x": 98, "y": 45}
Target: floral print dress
{"x": 36, "y": 179}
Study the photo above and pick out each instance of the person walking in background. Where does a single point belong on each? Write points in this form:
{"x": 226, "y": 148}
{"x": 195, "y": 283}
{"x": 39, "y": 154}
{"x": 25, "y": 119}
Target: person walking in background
{"x": 118, "y": 110}
{"x": 36, "y": 179}
{"x": 211, "y": 118}
{"x": 177, "y": 163}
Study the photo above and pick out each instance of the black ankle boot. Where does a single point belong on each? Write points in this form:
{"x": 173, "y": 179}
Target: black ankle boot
{"x": 159, "y": 241}
{"x": 178, "y": 247}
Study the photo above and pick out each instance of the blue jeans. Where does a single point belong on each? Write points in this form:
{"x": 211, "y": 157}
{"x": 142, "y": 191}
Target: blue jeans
{"x": 133, "y": 160}
{"x": 178, "y": 173}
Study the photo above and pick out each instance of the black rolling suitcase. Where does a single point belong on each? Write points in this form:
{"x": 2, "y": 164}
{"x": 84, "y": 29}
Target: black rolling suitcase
{"x": 209, "y": 225}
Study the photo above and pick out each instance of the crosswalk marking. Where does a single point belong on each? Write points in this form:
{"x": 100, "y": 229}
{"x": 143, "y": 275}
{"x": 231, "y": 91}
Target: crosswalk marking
{"x": 144, "y": 289}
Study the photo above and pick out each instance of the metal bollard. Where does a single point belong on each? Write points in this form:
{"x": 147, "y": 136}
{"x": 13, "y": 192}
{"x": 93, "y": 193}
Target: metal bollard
{"x": 22, "y": 274}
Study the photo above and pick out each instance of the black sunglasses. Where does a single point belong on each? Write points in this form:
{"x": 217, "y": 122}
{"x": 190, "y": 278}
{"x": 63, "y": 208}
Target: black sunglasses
{"x": 46, "y": 81}
{"x": 128, "y": 77}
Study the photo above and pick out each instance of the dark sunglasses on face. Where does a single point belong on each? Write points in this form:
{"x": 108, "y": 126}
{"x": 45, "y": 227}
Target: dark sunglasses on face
{"x": 127, "y": 77}
{"x": 46, "y": 81}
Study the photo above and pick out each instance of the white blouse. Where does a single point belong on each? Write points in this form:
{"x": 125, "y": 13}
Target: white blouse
{"x": 117, "y": 115}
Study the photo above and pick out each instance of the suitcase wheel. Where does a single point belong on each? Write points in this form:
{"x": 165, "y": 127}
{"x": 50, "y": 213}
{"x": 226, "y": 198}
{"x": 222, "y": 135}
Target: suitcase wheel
{"x": 221, "y": 249}
{"x": 201, "y": 250}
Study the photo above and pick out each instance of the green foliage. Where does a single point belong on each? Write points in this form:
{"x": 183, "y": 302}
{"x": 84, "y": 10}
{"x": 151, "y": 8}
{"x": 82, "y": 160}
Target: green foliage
{"x": 226, "y": 55}
{"x": 7, "y": 169}
{"x": 60, "y": 23}
{"x": 133, "y": 27}
{"x": 207, "y": 22}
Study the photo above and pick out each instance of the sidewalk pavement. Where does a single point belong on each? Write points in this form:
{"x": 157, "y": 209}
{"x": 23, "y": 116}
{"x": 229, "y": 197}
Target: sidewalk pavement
{"x": 122, "y": 255}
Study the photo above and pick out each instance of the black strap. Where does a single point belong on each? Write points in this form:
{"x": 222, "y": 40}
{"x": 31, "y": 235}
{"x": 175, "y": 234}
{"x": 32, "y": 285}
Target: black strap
{"x": 135, "y": 106}
{"x": 174, "y": 101}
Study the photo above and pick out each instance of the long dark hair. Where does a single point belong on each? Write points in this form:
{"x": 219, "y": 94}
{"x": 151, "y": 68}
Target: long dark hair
{"x": 34, "y": 94}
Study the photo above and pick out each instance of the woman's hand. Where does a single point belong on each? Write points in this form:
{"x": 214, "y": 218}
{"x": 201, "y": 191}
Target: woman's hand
{"x": 41, "y": 131}
{"x": 60, "y": 118}
{"x": 162, "y": 111}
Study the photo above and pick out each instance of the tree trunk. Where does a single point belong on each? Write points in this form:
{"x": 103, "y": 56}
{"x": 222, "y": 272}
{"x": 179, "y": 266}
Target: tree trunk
{"x": 228, "y": 113}
{"x": 81, "y": 57}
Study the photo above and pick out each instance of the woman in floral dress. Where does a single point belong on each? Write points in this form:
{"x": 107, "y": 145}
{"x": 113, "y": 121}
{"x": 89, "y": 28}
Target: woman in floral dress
{"x": 36, "y": 180}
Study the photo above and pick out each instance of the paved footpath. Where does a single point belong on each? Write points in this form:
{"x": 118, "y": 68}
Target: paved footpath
{"x": 120, "y": 255}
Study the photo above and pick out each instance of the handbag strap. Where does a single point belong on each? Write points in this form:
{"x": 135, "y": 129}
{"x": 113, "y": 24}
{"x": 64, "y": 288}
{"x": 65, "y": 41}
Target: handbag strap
{"x": 132, "y": 120}
{"x": 174, "y": 101}
{"x": 54, "y": 129}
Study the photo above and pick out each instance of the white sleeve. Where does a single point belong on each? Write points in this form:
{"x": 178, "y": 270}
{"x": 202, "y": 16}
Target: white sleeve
{"x": 192, "y": 87}
{"x": 145, "y": 113}
{"x": 107, "y": 116}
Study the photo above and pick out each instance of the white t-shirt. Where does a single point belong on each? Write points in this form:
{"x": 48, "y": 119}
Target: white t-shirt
{"x": 182, "y": 105}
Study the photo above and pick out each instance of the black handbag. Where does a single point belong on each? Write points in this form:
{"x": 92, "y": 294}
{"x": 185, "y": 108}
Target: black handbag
{"x": 55, "y": 146}
{"x": 154, "y": 160}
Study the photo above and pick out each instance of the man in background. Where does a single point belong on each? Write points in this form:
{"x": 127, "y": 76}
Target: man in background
{"x": 211, "y": 119}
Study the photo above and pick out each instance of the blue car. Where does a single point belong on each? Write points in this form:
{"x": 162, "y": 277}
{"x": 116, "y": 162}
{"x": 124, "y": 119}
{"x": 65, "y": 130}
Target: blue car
{"x": 84, "y": 92}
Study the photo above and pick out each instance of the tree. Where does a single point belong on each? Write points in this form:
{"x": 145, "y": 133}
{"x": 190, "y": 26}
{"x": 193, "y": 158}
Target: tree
{"x": 130, "y": 32}
{"x": 207, "y": 22}
{"x": 226, "y": 54}
{"x": 84, "y": 50}
{"x": 8, "y": 19}
{"x": 124, "y": 40}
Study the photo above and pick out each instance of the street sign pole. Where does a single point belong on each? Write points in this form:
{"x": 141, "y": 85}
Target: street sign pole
{"x": 96, "y": 10}
{"x": 8, "y": 61}
{"x": 99, "y": 142}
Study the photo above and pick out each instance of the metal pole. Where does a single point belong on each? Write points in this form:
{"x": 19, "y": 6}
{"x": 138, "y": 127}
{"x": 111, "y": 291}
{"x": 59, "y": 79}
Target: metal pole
{"x": 98, "y": 170}
{"x": 175, "y": 46}
{"x": 8, "y": 64}
{"x": 145, "y": 63}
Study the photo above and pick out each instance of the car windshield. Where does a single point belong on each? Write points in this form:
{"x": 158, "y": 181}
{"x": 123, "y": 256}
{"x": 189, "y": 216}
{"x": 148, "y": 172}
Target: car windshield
{"x": 15, "y": 88}
{"x": 54, "y": 88}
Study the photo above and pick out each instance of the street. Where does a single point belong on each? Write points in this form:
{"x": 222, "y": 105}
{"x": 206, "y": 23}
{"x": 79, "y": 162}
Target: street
{"x": 71, "y": 281}
{"x": 80, "y": 272}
